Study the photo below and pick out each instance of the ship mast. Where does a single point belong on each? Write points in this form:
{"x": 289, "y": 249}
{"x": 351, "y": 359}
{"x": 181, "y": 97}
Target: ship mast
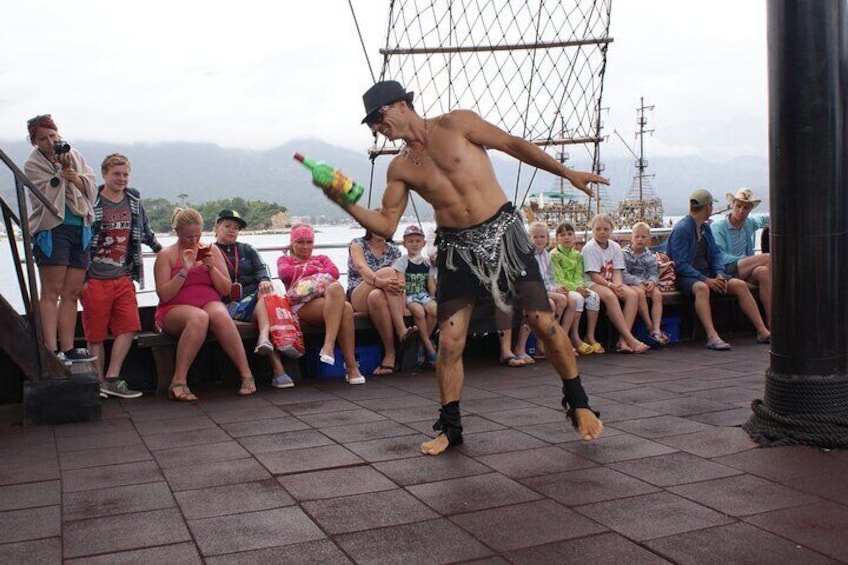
{"x": 640, "y": 203}
{"x": 641, "y": 163}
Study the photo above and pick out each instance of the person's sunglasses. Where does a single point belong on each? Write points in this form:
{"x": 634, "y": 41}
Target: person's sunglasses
{"x": 376, "y": 117}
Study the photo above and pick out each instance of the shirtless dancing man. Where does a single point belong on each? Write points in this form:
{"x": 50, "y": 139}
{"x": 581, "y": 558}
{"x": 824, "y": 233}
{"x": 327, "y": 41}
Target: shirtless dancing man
{"x": 483, "y": 246}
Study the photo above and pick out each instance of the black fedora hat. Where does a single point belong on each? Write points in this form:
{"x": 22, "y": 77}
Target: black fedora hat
{"x": 382, "y": 94}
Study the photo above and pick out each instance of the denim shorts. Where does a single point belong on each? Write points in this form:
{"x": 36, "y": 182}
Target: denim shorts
{"x": 67, "y": 248}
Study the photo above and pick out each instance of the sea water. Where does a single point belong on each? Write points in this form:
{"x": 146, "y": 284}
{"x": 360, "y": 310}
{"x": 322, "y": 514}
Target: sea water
{"x": 332, "y": 241}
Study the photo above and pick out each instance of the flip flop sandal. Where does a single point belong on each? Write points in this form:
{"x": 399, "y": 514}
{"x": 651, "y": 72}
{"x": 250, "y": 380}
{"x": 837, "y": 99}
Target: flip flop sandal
{"x": 719, "y": 345}
{"x": 585, "y": 349}
{"x": 512, "y": 361}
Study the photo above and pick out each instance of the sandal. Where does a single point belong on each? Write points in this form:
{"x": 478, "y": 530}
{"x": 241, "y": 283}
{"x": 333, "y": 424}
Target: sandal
{"x": 410, "y": 333}
{"x": 184, "y": 396}
{"x": 585, "y": 349}
{"x": 248, "y": 386}
{"x": 597, "y": 348}
{"x": 512, "y": 361}
{"x": 360, "y": 380}
{"x": 660, "y": 338}
{"x": 526, "y": 359}
{"x": 264, "y": 347}
{"x": 383, "y": 370}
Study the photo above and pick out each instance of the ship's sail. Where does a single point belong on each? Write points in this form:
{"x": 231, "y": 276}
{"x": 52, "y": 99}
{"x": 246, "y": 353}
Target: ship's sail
{"x": 535, "y": 68}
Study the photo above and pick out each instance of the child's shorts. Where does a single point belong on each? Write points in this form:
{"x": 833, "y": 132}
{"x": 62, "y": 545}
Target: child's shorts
{"x": 422, "y": 298}
{"x": 591, "y": 302}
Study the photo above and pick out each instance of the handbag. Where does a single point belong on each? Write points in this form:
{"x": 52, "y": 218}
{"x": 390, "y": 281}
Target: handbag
{"x": 308, "y": 288}
{"x": 285, "y": 333}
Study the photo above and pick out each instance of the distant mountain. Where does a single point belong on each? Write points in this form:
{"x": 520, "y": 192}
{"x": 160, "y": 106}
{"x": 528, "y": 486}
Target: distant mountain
{"x": 209, "y": 172}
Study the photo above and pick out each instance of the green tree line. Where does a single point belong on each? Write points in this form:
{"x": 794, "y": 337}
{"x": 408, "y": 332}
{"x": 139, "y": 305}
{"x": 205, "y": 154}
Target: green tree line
{"x": 256, "y": 213}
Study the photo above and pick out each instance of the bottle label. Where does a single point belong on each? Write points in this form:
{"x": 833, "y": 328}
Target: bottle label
{"x": 341, "y": 182}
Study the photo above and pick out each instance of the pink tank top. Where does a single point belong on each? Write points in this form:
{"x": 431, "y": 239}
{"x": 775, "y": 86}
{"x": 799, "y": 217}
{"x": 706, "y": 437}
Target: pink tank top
{"x": 197, "y": 290}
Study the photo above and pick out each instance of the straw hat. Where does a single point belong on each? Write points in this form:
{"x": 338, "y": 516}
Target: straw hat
{"x": 744, "y": 195}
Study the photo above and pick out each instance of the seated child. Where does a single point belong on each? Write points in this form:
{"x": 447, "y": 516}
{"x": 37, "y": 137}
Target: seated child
{"x": 569, "y": 276}
{"x": 642, "y": 275}
{"x": 562, "y": 304}
{"x": 418, "y": 278}
{"x": 604, "y": 263}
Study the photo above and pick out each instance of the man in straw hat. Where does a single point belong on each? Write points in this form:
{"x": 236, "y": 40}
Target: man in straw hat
{"x": 700, "y": 270}
{"x": 483, "y": 247}
{"x": 734, "y": 234}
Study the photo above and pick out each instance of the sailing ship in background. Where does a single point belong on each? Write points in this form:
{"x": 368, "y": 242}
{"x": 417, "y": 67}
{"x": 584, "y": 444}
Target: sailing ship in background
{"x": 641, "y": 203}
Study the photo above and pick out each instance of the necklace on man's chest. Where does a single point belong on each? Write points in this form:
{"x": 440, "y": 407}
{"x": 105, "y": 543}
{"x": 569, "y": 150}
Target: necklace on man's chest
{"x": 415, "y": 157}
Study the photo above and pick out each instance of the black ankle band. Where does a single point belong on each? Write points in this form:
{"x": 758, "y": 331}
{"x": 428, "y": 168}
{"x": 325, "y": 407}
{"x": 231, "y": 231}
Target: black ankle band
{"x": 573, "y": 397}
{"x": 450, "y": 423}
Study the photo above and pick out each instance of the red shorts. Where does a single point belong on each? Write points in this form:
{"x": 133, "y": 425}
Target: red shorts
{"x": 109, "y": 306}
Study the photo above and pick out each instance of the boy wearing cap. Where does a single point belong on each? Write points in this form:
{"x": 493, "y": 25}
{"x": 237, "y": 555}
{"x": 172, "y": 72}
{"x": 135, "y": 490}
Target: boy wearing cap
{"x": 700, "y": 270}
{"x": 109, "y": 301}
{"x": 484, "y": 250}
{"x": 416, "y": 273}
{"x": 734, "y": 234}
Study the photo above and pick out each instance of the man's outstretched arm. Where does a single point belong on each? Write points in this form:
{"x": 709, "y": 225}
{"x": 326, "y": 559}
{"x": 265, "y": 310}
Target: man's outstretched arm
{"x": 483, "y": 133}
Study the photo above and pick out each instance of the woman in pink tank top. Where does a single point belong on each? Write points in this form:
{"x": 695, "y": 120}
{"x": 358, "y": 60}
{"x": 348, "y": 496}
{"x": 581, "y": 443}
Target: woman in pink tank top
{"x": 190, "y": 279}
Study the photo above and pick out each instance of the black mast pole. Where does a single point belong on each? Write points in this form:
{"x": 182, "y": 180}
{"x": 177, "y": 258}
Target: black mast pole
{"x": 806, "y": 392}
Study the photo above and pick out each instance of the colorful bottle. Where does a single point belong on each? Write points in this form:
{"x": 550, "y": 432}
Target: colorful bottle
{"x": 327, "y": 177}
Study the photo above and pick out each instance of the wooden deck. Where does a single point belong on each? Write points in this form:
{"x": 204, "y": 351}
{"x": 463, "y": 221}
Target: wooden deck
{"x": 330, "y": 473}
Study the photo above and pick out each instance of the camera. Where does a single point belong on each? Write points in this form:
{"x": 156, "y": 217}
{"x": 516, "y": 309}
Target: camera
{"x": 61, "y": 147}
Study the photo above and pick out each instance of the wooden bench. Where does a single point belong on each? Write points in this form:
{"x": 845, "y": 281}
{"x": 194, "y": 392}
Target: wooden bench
{"x": 726, "y": 315}
{"x": 163, "y": 348}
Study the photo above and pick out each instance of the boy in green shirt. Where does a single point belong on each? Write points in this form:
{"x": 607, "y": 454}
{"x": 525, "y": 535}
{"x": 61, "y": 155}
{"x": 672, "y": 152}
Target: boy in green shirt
{"x": 568, "y": 274}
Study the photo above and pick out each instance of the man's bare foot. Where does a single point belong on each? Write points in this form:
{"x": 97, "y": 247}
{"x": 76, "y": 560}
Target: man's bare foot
{"x": 589, "y": 426}
{"x": 436, "y": 446}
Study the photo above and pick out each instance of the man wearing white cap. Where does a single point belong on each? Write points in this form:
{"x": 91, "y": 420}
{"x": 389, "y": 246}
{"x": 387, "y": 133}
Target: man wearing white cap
{"x": 734, "y": 234}
{"x": 700, "y": 270}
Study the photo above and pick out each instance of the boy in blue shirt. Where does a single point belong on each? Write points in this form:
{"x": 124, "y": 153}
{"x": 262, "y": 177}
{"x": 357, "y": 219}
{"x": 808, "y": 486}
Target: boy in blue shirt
{"x": 417, "y": 272}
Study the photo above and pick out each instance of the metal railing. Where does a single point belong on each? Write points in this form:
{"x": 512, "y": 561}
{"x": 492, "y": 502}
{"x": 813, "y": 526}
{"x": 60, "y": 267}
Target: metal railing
{"x": 28, "y": 351}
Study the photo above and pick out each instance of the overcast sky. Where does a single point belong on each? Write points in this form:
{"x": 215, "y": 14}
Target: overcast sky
{"x": 257, "y": 74}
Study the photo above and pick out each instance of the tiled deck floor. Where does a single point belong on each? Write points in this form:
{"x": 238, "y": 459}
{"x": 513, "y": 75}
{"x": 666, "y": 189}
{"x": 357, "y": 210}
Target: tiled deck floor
{"x": 327, "y": 473}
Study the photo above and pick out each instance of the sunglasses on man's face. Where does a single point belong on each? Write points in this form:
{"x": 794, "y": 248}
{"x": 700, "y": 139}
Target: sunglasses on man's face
{"x": 376, "y": 117}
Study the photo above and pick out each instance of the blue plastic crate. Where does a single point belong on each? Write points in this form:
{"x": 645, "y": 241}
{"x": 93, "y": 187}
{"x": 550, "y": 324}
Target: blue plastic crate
{"x": 367, "y": 356}
{"x": 670, "y": 325}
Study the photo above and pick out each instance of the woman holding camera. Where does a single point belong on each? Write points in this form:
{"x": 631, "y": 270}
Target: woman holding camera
{"x": 60, "y": 242}
{"x": 190, "y": 280}
{"x": 251, "y": 281}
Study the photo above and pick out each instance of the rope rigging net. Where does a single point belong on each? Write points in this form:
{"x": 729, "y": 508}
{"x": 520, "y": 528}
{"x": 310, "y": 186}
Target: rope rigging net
{"x": 534, "y": 68}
